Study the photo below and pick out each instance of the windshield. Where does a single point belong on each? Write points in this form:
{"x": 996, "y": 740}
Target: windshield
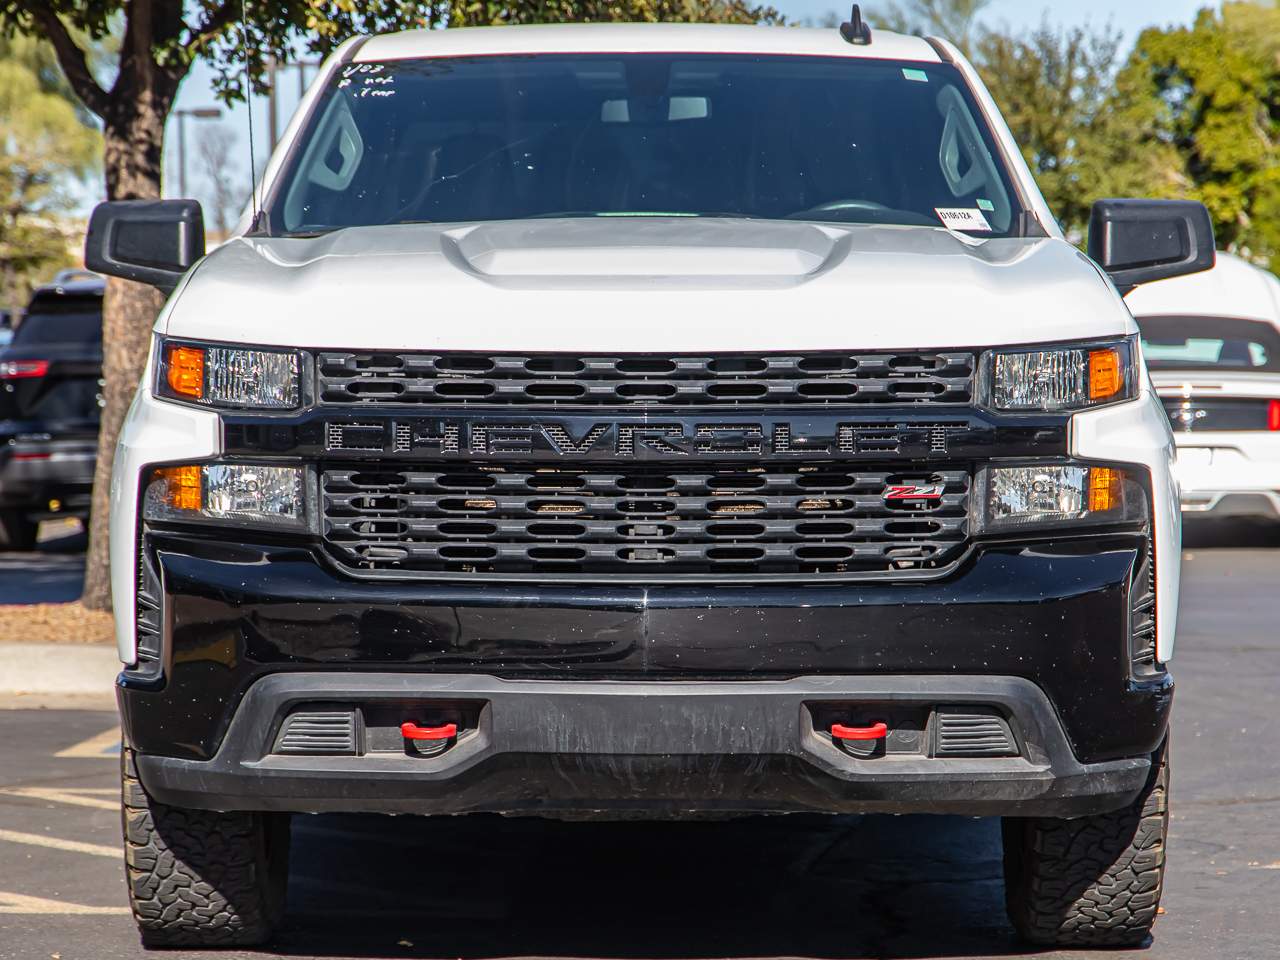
{"x": 1210, "y": 343}
{"x": 510, "y": 137}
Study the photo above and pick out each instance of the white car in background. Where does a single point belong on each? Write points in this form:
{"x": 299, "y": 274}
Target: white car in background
{"x": 1212, "y": 344}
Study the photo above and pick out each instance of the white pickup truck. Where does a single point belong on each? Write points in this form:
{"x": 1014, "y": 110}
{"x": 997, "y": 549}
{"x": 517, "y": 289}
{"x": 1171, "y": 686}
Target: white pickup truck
{"x": 646, "y": 420}
{"x": 1212, "y": 342}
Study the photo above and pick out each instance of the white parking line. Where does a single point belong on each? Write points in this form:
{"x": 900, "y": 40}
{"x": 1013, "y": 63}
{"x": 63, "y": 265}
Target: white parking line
{"x": 105, "y": 744}
{"x": 20, "y": 903}
{"x": 76, "y": 797}
{"x": 71, "y": 846}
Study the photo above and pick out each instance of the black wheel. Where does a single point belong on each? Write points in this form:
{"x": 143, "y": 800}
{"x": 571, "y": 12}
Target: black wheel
{"x": 1092, "y": 881}
{"x": 17, "y": 530}
{"x": 201, "y": 878}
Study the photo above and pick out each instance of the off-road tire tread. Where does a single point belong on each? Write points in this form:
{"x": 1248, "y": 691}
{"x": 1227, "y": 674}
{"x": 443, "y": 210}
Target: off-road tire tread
{"x": 195, "y": 877}
{"x": 1093, "y": 881}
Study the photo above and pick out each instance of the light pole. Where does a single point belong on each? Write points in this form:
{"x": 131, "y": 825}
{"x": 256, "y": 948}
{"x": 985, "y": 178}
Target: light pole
{"x": 202, "y": 113}
{"x": 274, "y": 68}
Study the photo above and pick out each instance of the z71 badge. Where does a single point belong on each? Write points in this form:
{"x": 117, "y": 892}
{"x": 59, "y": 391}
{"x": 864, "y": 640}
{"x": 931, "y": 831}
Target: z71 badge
{"x": 909, "y": 491}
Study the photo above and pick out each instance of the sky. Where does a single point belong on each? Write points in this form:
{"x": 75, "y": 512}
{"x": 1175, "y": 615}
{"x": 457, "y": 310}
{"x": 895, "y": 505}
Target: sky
{"x": 1127, "y": 16}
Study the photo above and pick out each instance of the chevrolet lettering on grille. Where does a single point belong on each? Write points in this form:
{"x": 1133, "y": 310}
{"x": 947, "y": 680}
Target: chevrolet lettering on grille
{"x": 437, "y": 437}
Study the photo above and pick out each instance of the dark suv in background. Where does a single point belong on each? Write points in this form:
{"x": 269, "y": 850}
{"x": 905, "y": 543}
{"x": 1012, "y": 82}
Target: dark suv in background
{"x": 50, "y": 401}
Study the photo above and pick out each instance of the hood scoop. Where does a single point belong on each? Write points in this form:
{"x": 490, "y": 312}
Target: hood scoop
{"x": 667, "y": 247}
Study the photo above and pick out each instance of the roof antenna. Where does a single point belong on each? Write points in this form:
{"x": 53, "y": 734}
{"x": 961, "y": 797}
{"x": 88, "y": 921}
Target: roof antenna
{"x": 855, "y": 30}
{"x": 248, "y": 102}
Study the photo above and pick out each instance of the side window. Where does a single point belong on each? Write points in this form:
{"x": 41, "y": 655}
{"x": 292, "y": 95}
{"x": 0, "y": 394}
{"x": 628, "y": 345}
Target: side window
{"x": 967, "y": 166}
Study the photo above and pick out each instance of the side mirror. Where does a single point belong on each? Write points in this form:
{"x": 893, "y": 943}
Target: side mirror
{"x": 1137, "y": 241}
{"x": 151, "y": 241}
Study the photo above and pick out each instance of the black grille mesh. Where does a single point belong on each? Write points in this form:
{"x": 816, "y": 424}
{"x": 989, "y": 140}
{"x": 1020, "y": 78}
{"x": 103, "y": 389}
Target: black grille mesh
{"x": 640, "y": 520}
{"x": 649, "y": 380}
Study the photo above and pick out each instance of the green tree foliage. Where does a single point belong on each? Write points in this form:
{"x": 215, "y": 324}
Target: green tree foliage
{"x": 483, "y": 13}
{"x": 1057, "y": 91}
{"x": 44, "y": 147}
{"x": 1206, "y": 99}
{"x": 956, "y": 20}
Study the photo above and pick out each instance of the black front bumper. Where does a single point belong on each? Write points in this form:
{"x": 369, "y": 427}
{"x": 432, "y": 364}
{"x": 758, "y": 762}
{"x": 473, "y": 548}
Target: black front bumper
{"x": 645, "y": 698}
{"x": 658, "y": 749}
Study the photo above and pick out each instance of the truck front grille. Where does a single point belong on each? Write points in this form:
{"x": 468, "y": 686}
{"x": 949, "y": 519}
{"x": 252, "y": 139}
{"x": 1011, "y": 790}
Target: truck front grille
{"x": 714, "y": 380}
{"x": 641, "y": 521}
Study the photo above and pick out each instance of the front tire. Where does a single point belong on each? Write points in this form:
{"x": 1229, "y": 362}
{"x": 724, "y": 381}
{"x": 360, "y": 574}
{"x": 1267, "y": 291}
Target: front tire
{"x": 198, "y": 877}
{"x": 1092, "y": 881}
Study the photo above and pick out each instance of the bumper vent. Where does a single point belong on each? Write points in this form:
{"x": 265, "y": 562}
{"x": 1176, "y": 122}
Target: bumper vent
{"x": 569, "y": 380}
{"x": 641, "y": 521}
{"x": 969, "y": 732}
{"x": 149, "y": 620}
{"x": 313, "y": 732}
{"x": 1142, "y": 613}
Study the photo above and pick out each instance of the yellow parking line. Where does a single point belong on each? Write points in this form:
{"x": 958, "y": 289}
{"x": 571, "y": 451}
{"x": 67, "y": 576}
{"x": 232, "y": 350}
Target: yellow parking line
{"x": 20, "y": 903}
{"x": 105, "y": 744}
{"x": 74, "y": 797}
{"x": 71, "y": 846}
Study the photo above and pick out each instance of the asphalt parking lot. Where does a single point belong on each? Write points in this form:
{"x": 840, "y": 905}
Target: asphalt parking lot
{"x": 790, "y": 886}
{"x": 54, "y": 573}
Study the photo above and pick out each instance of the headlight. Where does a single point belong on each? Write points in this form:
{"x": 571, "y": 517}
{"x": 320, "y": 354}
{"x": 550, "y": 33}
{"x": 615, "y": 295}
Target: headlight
{"x": 1013, "y": 498}
{"x": 228, "y": 376}
{"x": 1062, "y": 378}
{"x": 228, "y": 493}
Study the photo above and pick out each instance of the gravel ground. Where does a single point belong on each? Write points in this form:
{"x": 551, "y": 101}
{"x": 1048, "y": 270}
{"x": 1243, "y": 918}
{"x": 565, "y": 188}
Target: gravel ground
{"x": 54, "y": 623}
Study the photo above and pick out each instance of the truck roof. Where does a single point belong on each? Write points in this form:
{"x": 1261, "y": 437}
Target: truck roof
{"x": 640, "y": 37}
{"x": 1233, "y": 288}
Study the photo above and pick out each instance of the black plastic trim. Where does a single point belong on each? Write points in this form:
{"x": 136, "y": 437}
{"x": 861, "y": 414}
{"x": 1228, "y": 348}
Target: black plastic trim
{"x": 1055, "y": 612}
{"x": 615, "y": 748}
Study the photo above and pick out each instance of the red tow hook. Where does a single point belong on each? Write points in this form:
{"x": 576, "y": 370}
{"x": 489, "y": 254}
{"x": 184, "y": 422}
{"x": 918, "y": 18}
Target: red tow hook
{"x": 411, "y": 731}
{"x": 877, "y": 731}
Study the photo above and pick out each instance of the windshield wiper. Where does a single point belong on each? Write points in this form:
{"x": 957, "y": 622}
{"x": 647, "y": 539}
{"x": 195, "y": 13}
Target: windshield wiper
{"x": 640, "y": 214}
{"x": 303, "y": 234}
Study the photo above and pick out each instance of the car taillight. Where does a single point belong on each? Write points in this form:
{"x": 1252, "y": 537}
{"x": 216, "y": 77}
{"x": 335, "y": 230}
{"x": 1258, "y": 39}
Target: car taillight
{"x": 20, "y": 369}
{"x": 1273, "y": 415}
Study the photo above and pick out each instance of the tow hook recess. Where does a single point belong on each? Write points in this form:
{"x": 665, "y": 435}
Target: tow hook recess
{"x": 428, "y": 741}
{"x": 860, "y": 741}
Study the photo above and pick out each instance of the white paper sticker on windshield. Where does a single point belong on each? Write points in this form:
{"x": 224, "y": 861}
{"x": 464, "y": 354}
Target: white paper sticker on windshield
{"x": 962, "y": 218}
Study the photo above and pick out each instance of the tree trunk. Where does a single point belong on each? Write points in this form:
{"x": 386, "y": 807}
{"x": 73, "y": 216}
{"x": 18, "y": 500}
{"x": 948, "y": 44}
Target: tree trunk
{"x": 133, "y": 143}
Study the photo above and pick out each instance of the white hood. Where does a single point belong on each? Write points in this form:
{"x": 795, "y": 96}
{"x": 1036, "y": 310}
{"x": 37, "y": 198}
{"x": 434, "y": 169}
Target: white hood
{"x": 641, "y": 285}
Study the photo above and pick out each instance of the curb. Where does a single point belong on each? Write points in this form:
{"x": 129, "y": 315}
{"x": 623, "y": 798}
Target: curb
{"x": 58, "y": 676}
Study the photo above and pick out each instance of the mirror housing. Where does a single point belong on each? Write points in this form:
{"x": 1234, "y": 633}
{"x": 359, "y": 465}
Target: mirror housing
{"x": 150, "y": 241}
{"x": 1138, "y": 241}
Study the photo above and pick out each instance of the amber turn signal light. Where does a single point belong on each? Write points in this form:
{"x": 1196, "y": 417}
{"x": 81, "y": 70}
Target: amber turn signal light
{"x": 182, "y": 486}
{"x": 1106, "y": 373}
{"x": 1105, "y": 488}
{"x": 184, "y": 371}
